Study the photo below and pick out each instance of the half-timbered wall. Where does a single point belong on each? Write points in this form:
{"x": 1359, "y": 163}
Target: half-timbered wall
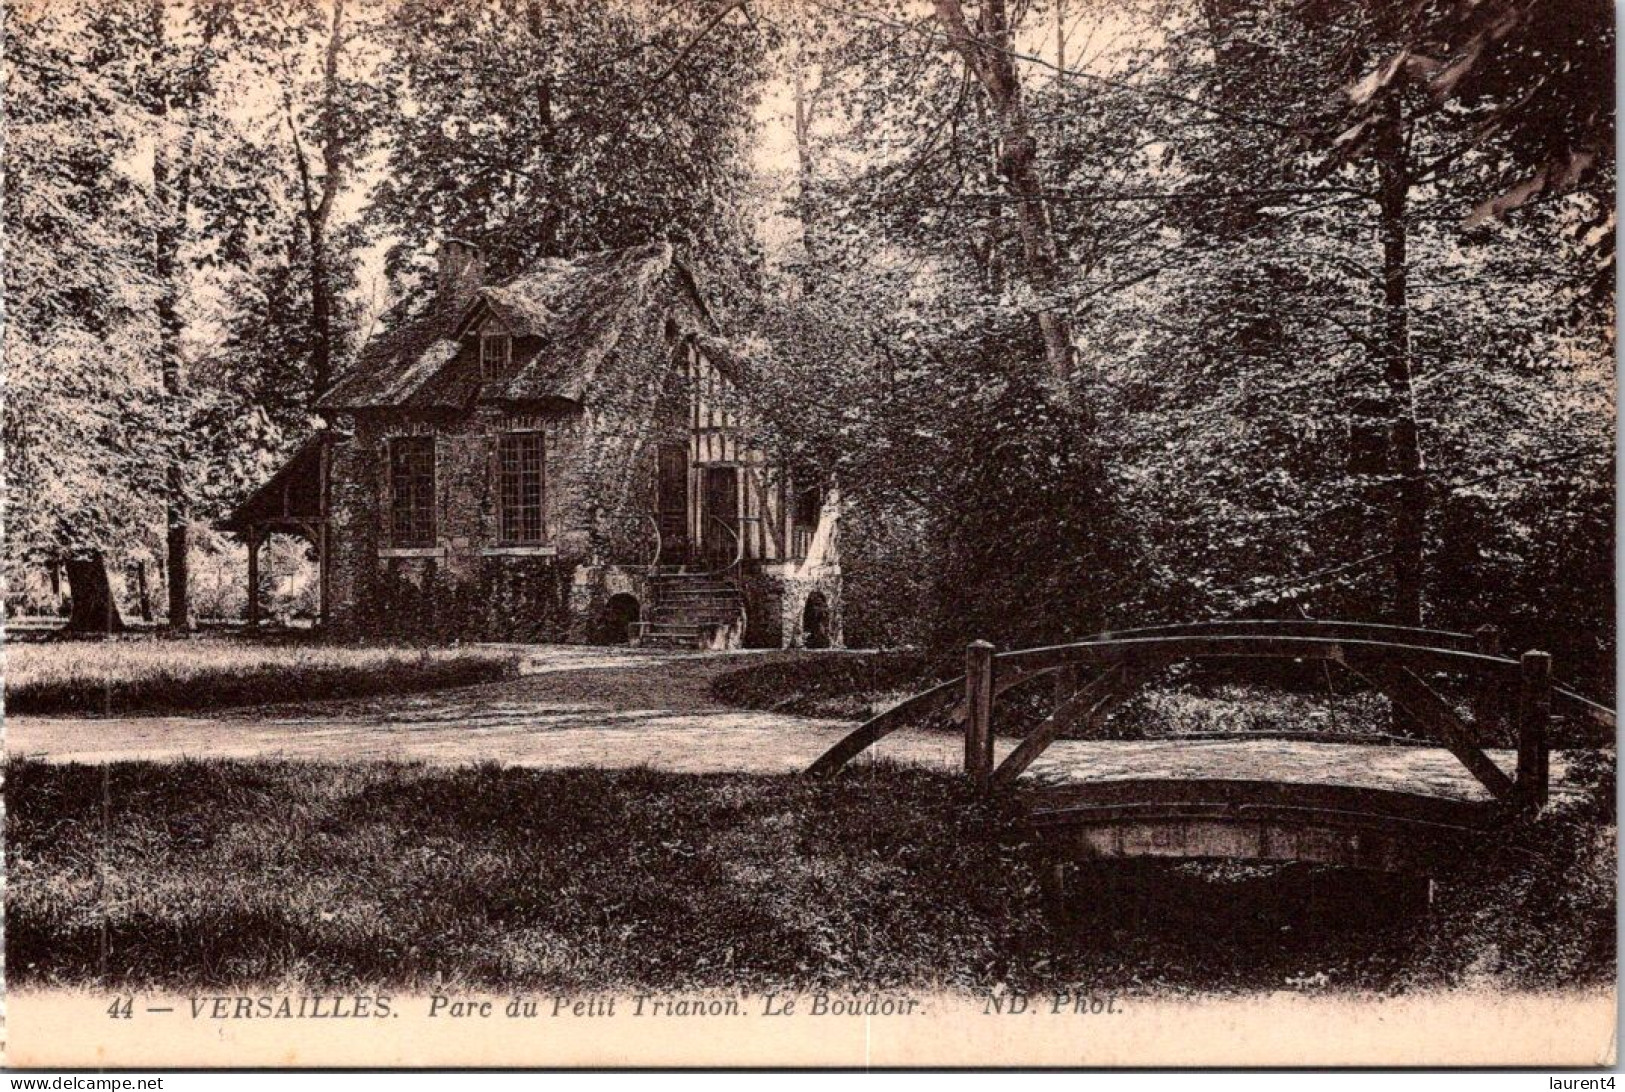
{"x": 717, "y": 440}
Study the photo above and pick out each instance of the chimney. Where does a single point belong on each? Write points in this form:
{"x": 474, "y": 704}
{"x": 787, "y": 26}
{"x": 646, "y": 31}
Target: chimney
{"x": 461, "y": 273}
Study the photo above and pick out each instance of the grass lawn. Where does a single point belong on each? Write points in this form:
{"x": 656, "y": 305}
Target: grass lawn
{"x": 849, "y": 685}
{"x": 143, "y": 875}
{"x": 158, "y": 676}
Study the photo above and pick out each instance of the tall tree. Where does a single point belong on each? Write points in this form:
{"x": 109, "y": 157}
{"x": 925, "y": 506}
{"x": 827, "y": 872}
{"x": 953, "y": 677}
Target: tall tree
{"x": 317, "y": 197}
{"x": 1281, "y": 323}
{"x": 182, "y": 46}
{"x": 82, "y": 398}
{"x": 324, "y": 56}
{"x": 988, "y": 51}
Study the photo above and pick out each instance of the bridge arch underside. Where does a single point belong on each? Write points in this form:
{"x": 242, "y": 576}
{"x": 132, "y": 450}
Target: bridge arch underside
{"x": 1255, "y": 821}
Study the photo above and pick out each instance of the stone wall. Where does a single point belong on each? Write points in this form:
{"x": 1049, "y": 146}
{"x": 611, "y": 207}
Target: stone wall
{"x": 776, "y": 597}
{"x": 591, "y": 588}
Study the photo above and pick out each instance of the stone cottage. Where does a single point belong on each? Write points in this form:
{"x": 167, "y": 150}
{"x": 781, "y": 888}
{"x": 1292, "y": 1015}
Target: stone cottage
{"x": 564, "y": 456}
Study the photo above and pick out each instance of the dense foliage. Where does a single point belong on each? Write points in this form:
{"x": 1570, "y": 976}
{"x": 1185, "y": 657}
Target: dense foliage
{"x": 1095, "y": 312}
{"x": 126, "y": 678}
{"x": 1331, "y": 358}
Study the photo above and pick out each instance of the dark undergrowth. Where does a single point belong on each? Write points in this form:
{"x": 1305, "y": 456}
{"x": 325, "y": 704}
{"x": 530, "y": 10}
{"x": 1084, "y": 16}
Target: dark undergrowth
{"x": 1180, "y": 702}
{"x": 850, "y": 685}
{"x": 232, "y": 874}
{"x": 1281, "y": 701}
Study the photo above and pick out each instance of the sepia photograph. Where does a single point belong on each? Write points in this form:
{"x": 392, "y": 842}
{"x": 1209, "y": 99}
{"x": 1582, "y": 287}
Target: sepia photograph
{"x": 809, "y": 534}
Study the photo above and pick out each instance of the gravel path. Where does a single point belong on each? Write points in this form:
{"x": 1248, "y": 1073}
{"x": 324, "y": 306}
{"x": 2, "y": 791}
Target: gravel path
{"x": 570, "y": 707}
{"x": 619, "y": 708}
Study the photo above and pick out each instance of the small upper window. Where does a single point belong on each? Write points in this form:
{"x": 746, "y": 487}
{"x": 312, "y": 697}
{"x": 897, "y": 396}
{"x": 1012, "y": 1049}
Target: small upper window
{"x": 496, "y": 357}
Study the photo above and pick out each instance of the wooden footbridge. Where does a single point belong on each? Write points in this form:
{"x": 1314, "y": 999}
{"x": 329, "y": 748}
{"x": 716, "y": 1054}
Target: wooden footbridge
{"x": 1207, "y": 817}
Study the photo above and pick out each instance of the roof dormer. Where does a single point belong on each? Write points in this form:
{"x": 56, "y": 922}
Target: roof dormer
{"x": 496, "y": 351}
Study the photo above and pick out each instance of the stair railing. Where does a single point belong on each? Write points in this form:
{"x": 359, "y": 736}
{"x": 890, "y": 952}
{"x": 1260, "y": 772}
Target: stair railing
{"x": 654, "y": 562}
{"x": 739, "y": 546}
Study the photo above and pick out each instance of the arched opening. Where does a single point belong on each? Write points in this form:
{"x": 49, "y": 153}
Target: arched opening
{"x": 620, "y": 614}
{"x": 815, "y": 621}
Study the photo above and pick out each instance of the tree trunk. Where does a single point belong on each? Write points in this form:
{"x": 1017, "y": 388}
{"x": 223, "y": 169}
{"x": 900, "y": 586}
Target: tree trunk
{"x": 1408, "y": 504}
{"x": 321, "y": 285}
{"x": 94, "y": 611}
{"x": 545, "y": 41}
{"x": 987, "y": 52}
{"x": 144, "y": 595}
{"x": 171, "y": 185}
{"x": 321, "y": 318}
{"x": 1060, "y": 41}
{"x": 804, "y": 172}
{"x": 176, "y": 515}
{"x": 1237, "y": 60}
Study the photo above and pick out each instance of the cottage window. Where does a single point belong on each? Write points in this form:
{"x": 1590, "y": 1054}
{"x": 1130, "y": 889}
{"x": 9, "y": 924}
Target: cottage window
{"x": 520, "y": 457}
{"x": 496, "y": 357}
{"x": 411, "y": 488}
{"x": 808, "y": 502}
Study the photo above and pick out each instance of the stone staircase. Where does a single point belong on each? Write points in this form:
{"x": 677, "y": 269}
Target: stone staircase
{"x": 692, "y": 610}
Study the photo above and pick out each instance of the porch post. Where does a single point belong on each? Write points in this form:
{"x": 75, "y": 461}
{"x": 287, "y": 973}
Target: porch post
{"x": 253, "y": 538}
{"x": 321, "y": 574}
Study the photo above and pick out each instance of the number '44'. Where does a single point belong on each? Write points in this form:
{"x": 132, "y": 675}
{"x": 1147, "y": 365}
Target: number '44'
{"x": 120, "y": 1008}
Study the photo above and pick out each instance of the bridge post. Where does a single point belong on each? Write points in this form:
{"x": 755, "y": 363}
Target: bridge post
{"x": 1534, "y": 710}
{"x": 979, "y": 714}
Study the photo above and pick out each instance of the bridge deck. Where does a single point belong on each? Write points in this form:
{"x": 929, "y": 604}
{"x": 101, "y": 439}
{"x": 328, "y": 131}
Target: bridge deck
{"x": 1431, "y": 771}
{"x": 1425, "y": 770}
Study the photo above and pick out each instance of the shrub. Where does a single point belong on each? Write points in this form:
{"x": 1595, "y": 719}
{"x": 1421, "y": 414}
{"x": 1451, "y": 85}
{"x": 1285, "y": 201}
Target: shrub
{"x": 157, "y": 676}
{"x": 1536, "y": 907}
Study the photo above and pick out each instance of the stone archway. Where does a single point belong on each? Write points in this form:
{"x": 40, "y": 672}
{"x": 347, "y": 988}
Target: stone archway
{"x": 620, "y": 614}
{"x": 815, "y": 621}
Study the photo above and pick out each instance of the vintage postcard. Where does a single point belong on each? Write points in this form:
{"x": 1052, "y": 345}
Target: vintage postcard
{"x": 809, "y": 533}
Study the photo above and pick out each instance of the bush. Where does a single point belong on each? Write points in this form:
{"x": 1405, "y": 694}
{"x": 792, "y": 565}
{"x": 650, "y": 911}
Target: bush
{"x": 157, "y": 676}
{"x": 1536, "y": 908}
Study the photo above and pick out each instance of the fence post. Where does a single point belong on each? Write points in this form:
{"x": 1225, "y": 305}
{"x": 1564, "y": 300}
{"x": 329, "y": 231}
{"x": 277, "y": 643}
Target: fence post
{"x": 1534, "y": 710}
{"x": 979, "y": 713}
{"x": 1487, "y": 642}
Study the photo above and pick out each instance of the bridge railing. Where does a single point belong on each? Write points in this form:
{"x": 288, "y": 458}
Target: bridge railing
{"x": 1392, "y": 659}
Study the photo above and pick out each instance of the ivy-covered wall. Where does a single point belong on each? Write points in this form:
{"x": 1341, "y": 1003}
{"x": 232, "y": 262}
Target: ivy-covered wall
{"x": 507, "y": 599}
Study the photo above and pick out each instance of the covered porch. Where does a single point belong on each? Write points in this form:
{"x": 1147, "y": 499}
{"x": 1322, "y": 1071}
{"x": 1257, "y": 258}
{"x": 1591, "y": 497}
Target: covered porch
{"x": 294, "y": 502}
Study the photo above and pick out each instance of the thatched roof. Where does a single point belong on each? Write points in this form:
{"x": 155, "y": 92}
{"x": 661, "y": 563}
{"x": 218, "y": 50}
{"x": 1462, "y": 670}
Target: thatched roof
{"x": 567, "y": 318}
